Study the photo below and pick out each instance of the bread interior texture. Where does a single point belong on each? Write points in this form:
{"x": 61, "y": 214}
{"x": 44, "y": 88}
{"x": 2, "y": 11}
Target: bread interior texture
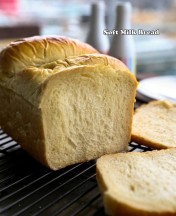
{"x": 84, "y": 116}
{"x": 138, "y": 183}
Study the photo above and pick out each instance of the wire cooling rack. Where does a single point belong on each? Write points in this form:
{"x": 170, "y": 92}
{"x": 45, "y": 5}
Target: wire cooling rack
{"x": 28, "y": 188}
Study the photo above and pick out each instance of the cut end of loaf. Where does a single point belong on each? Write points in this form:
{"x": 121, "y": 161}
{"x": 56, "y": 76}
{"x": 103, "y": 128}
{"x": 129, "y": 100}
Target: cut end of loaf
{"x": 87, "y": 113}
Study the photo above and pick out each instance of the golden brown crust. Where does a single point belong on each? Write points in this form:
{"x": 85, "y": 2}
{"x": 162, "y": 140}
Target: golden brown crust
{"x": 38, "y": 50}
{"x": 94, "y": 60}
{"x": 23, "y": 122}
{"x": 31, "y": 81}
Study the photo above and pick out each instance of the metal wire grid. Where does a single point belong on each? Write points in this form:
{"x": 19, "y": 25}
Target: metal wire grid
{"x": 28, "y": 188}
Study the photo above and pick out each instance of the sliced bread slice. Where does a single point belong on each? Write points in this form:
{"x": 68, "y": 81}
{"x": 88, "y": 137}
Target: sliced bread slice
{"x": 154, "y": 125}
{"x": 138, "y": 183}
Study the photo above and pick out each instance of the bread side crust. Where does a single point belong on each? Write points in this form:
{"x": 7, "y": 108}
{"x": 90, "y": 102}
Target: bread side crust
{"x": 38, "y": 50}
{"x": 114, "y": 208}
{"x": 22, "y": 121}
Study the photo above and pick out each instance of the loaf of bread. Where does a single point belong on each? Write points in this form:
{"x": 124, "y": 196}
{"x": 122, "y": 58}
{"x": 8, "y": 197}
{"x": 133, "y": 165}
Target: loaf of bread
{"x": 154, "y": 125}
{"x": 138, "y": 183}
{"x": 63, "y": 102}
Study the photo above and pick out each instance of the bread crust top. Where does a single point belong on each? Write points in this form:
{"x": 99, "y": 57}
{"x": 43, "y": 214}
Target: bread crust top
{"x": 38, "y": 50}
{"x": 28, "y": 64}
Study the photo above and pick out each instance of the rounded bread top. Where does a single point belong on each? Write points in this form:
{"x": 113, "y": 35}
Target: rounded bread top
{"x": 28, "y": 65}
{"x": 38, "y": 50}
